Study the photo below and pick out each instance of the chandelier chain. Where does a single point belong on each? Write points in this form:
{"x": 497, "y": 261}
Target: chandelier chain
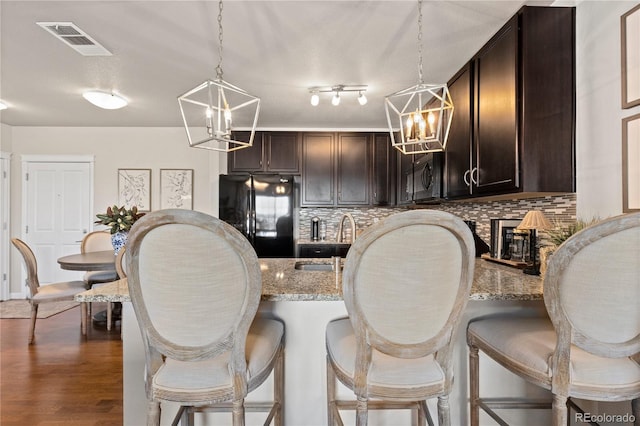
{"x": 220, "y": 36}
{"x": 420, "y": 79}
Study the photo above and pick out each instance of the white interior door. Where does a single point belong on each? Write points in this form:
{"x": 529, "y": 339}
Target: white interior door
{"x": 5, "y": 165}
{"x": 58, "y": 213}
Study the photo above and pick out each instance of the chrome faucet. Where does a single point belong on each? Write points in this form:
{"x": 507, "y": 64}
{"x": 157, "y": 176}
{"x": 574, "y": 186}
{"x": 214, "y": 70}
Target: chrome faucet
{"x": 352, "y": 222}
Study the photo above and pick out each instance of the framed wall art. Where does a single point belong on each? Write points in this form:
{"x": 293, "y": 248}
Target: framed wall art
{"x": 134, "y": 188}
{"x": 176, "y": 189}
{"x": 631, "y": 164}
{"x": 630, "y": 42}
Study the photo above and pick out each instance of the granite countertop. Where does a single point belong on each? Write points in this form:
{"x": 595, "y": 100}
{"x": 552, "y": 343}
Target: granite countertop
{"x": 281, "y": 282}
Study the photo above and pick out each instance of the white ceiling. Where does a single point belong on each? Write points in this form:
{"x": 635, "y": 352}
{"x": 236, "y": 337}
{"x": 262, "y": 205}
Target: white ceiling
{"x": 275, "y": 50}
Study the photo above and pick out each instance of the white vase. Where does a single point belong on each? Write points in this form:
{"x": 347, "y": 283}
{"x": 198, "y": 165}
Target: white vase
{"x": 118, "y": 240}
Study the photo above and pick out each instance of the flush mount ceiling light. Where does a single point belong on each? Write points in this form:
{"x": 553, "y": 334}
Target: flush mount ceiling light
{"x": 213, "y": 110}
{"x": 422, "y": 113}
{"x": 105, "y": 100}
{"x": 2, "y": 106}
{"x": 337, "y": 90}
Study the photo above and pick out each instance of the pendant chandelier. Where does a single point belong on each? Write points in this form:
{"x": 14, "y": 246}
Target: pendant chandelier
{"x": 421, "y": 114}
{"x": 218, "y": 115}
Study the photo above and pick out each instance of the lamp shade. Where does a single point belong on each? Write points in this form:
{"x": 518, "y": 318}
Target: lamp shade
{"x": 535, "y": 219}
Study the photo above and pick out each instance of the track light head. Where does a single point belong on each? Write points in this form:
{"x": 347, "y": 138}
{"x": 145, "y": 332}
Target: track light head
{"x": 362, "y": 99}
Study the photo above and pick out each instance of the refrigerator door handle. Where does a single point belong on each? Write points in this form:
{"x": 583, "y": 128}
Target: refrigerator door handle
{"x": 251, "y": 213}
{"x": 248, "y": 219}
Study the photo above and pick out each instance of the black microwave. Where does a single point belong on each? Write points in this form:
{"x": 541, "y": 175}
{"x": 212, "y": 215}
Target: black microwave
{"x": 422, "y": 178}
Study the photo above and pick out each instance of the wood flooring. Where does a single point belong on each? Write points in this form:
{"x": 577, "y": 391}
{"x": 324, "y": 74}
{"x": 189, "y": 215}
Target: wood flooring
{"x": 64, "y": 378}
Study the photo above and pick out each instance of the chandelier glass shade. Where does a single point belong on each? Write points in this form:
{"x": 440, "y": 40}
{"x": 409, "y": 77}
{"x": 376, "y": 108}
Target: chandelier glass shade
{"x": 419, "y": 118}
{"x": 215, "y": 109}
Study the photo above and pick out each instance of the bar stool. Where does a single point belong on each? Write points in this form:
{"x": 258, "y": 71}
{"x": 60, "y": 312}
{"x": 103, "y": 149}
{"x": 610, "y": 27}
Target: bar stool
{"x": 590, "y": 347}
{"x": 406, "y": 282}
{"x": 195, "y": 285}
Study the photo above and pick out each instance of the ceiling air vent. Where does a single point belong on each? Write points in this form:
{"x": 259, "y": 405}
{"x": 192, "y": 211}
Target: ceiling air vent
{"x": 75, "y": 38}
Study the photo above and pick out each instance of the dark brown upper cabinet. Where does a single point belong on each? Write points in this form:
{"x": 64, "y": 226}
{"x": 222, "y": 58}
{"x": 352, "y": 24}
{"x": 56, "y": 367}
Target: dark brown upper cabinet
{"x": 318, "y": 159}
{"x": 383, "y": 170}
{"x": 458, "y": 153}
{"x": 271, "y": 152}
{"x": 347, "y": 169}
{"x": 514, "y": 119}
{"x": 353, "y": 169}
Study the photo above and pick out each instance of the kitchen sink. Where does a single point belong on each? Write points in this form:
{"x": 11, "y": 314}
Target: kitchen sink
{"x": 320, "y": 250}
{"x": 307, "y": 266}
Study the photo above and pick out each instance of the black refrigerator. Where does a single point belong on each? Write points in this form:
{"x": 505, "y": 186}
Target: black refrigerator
{"x": 261, "y": 208}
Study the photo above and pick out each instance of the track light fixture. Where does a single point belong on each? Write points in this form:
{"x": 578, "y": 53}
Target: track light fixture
{"x": 337, "y": 90}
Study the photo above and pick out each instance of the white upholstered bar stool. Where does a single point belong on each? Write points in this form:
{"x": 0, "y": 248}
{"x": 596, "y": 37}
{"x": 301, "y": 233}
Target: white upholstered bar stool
{"x": 406, "y": 282}
{"x": 587, "y": 348}
{"x": 195, "y": 285}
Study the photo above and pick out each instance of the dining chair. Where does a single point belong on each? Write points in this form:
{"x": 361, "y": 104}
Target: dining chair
{"x": 121, "y": 267}
{"x": 121, "y": 273}
{"x": 55, "y": 292}
{"x": 97, "y": 241}
{"x": 406, "y": 282}
{"x": 589, "y": 346}
{"x": 195, "y": 285}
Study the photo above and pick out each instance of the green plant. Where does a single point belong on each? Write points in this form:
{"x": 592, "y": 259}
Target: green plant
{"x": 119, "y": 218}
{"x": 562, "y": 232}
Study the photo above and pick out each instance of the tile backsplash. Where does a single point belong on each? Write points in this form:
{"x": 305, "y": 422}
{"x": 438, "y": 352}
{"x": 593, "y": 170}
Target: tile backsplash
{"x": 557, "y": 208}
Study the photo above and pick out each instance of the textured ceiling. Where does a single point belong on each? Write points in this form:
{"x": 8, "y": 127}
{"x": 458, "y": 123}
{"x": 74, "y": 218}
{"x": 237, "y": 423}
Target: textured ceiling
{"x": 273, "y": 49}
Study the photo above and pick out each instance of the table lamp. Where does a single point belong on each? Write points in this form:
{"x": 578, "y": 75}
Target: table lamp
{"x": 534, "y": 220}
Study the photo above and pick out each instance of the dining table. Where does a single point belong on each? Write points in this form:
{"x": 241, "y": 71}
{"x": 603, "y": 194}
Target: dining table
{"x": 90, "y": 261}
{"x": 93, "y": 261}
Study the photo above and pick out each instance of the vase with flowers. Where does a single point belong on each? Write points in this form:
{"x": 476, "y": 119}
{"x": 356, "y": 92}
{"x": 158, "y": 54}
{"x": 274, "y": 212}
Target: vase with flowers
{"x": 119, "y": 220}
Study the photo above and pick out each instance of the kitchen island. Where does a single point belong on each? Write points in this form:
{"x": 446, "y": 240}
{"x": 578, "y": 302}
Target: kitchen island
{"x": 306, "y": 300}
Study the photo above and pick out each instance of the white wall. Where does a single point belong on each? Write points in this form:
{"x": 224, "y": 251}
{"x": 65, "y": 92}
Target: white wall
{"x": 599, "y": 112}
{"x": 114, "y": 148}
{"x": 5, "y": 137}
